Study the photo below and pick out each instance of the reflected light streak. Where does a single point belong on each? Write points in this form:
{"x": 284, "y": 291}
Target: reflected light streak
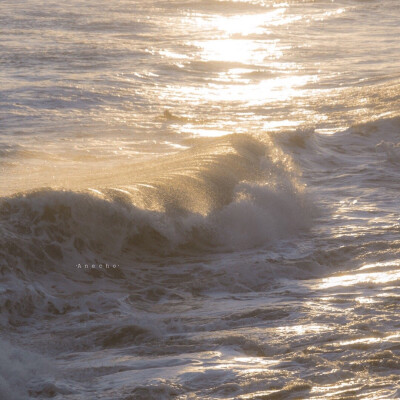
{"x": 365, "y": 300}
{"x": 243, "y": 24}
{"x": 336, "y": 389}
{"x": 203, "y": 132}
{"x": 239, "y": 50}
{"x": 303, "y": 329}
{"x": 271, "y": 125}
{"x": 365, "y": 277}
{"x": 250, "y": 365}
{"x": 278, "y": 89}
{"x": 369, "y": 340}
{"x": 394, "y": 263}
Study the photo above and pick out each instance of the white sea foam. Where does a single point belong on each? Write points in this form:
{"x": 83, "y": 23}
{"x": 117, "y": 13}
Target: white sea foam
{"x": 18, "y": 368}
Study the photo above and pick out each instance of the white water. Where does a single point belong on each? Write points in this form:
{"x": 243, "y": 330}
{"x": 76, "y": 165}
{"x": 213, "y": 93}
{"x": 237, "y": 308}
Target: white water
{"x": 250, "y": 233}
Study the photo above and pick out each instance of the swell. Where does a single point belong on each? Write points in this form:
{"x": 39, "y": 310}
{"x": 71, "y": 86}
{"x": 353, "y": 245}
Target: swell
{"x": 362, "y": 147}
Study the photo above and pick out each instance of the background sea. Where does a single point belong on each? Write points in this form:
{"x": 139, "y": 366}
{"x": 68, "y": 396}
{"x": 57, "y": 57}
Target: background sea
{"x": 199, "y": 199}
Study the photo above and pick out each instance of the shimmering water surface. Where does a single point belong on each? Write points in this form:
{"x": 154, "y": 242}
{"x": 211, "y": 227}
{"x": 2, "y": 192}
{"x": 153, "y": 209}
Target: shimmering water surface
{"x": 229, "y": 173}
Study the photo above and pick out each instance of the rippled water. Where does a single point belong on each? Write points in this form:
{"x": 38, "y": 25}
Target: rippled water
{"x": 200, "y": 199}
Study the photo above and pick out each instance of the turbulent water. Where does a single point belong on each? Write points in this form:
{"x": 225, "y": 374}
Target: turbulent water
{"x": 199, "y": 199}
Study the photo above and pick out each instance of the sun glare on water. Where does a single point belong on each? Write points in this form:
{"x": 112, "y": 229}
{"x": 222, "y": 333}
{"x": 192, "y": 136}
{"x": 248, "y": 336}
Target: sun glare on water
{"x": 243, "y": 59}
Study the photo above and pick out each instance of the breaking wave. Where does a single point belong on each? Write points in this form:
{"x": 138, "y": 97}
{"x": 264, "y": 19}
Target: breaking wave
{"x": 233, "y": 193}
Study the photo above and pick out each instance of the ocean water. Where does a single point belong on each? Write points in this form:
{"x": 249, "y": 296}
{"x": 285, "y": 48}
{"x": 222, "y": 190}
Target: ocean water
{"x": 199, "y": 199}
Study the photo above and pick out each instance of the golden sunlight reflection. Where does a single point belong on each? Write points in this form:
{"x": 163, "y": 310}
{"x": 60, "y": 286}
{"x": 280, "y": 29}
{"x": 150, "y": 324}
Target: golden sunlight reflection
{"x": 277, "y": 89}
{"x": 260, "y": 395}
{"x": 246, "y": 66}
{"x": 195, "y": 131}
{"x": 370, "y": 340}
{"x": 243, "y": 24}
{"x": 243, "y": 51}
{"x": 303, "y": 329}
{"x": 394, "y": 263}
{"x": 251, "y": 365}
{"x": 277, "y": 125}
{"x": 365, "y": 300}
{"x": 357, "y": 277}
{"x": 337, "y": 389}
